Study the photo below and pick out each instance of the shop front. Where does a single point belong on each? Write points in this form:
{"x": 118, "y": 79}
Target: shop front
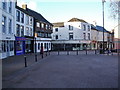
{"x": 20, "y": 45}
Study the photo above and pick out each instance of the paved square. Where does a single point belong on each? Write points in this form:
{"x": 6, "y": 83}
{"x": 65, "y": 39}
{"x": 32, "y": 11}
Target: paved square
{"x": 69, "y": 71}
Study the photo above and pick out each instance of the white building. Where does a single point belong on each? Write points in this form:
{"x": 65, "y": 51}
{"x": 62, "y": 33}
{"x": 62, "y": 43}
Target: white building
{"x": 7, "y": 28}
{"x": 97, "y": 38}
{"x": 24, "y": 31}
{"x": 73, "y": 35}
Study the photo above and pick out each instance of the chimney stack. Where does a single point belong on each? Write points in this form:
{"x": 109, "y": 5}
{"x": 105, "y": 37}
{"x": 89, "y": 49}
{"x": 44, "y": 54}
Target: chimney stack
{"x": 24, "y": 6}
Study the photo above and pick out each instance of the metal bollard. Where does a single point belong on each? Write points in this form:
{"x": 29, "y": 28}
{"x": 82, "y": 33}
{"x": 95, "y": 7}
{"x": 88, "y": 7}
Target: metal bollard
{"x": 58, "y": 52}
{"x": 67, "y": 52}
{"x": 77, "y": 52}
{"x": 49, "y": 52}
{"x": 86, "y": 51}
{"x": 35, "y": 57}
{"x": 95, "y": 52}
{"x": 25, "y": 61}
{"x": 46, "y": 53}
{"x": 42, "y": 55}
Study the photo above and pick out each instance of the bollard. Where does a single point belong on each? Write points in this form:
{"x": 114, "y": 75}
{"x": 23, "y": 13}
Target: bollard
{"x": 86, "y": 51}
{"x": 108, "y": 52}
{"x": 112, "y": 52}
{"x": 25, "y": 61}
{"x": 42, "y": 55}
{"x": 58, "y": 52}
{"x": 35, "y": 57}
{"x": 67, "y": 52}
{"x": 46, "y": 53}
{"x": 49, "y": 52}
{"x": 77, "y": 52}
{"x": 95, "y": 52}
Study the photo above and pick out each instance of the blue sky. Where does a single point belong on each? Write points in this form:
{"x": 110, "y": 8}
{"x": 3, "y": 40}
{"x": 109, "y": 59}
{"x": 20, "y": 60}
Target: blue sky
{"x": 60, "y": 11}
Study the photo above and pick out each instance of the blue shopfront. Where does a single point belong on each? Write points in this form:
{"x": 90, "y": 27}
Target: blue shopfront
{"x": 20, "y": 45}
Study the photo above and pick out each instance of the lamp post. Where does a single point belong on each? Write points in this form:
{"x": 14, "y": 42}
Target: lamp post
{"x": 35, "y": 47}
{"x": 103, "y": 1}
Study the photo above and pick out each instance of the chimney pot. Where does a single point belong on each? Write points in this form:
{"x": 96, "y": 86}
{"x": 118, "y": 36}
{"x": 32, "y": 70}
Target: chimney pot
{"x": 24, "y": 6}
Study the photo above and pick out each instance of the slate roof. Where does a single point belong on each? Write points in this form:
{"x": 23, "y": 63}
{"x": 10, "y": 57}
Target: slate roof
{"x": 100, "y": 28}
{"x": 58, "y": 24}
{"x": 34, "y": 14}
{"x": 93, "y": 27}
{"x": 77, "y": 20}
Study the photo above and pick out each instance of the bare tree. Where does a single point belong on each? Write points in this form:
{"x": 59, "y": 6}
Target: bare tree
{"x": 115, "y": 8}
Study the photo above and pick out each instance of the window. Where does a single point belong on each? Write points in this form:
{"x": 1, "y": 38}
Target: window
{"x": 22, "y": 17}
{"x": 49, "y": 45}
{"x": 18, "y": 16}
{"x": 11, "y": 45}
{"x": 84, "y": 27}
{"x": 45, "y": 45}
{"x": 56, "y": 29}
{"x": 10, "y": 7}
{"x": 31, "y": 32}
{"x": 27, "y": 31}
{"x": 70, "y": 36}
{"x": 27, "y": 19}
{"x": 46, "y": 27}
{"x": 84, "y": 35}
{"x": 22, "y": 31}
{"x": 10, "y": 26}
{"x": 3, "y": 24}
{"x": 4, "y": 6}
{"x": 42, "y": 25}
{"x": 88, "y": 28}
{"x": 31, "y": 20}
{"x": 3, "y": 46}
{"x": 88, "y": 36}
{"x": 17, "y": 30}
{"x": 56, "y": 37}
{"x": 70, "y": 27}
{"x": 38, "y": 24}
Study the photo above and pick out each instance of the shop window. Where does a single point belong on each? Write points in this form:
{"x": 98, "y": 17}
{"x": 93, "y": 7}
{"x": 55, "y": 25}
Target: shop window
{"x": 3, "y": 46}
{"x": 44, "y": 45}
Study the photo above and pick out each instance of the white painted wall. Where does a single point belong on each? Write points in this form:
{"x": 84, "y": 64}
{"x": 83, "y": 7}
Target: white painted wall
{"x": 7, "y": 36}
{"x": 63, "y": 32}
{"x": 24, "y": 24}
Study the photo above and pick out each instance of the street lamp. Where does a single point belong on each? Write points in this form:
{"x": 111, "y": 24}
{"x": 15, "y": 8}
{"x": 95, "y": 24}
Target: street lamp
{"x": 103, "y": 1}
{"x": 35, "y": 47}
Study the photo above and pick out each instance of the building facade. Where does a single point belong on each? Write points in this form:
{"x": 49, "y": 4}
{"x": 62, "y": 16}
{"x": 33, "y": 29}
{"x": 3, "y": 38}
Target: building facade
{"x": 41, "y": 32}
{"x": 24, "y": 32}
{"x": 72, "y": 35}
{"x": 7, "y": 28}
